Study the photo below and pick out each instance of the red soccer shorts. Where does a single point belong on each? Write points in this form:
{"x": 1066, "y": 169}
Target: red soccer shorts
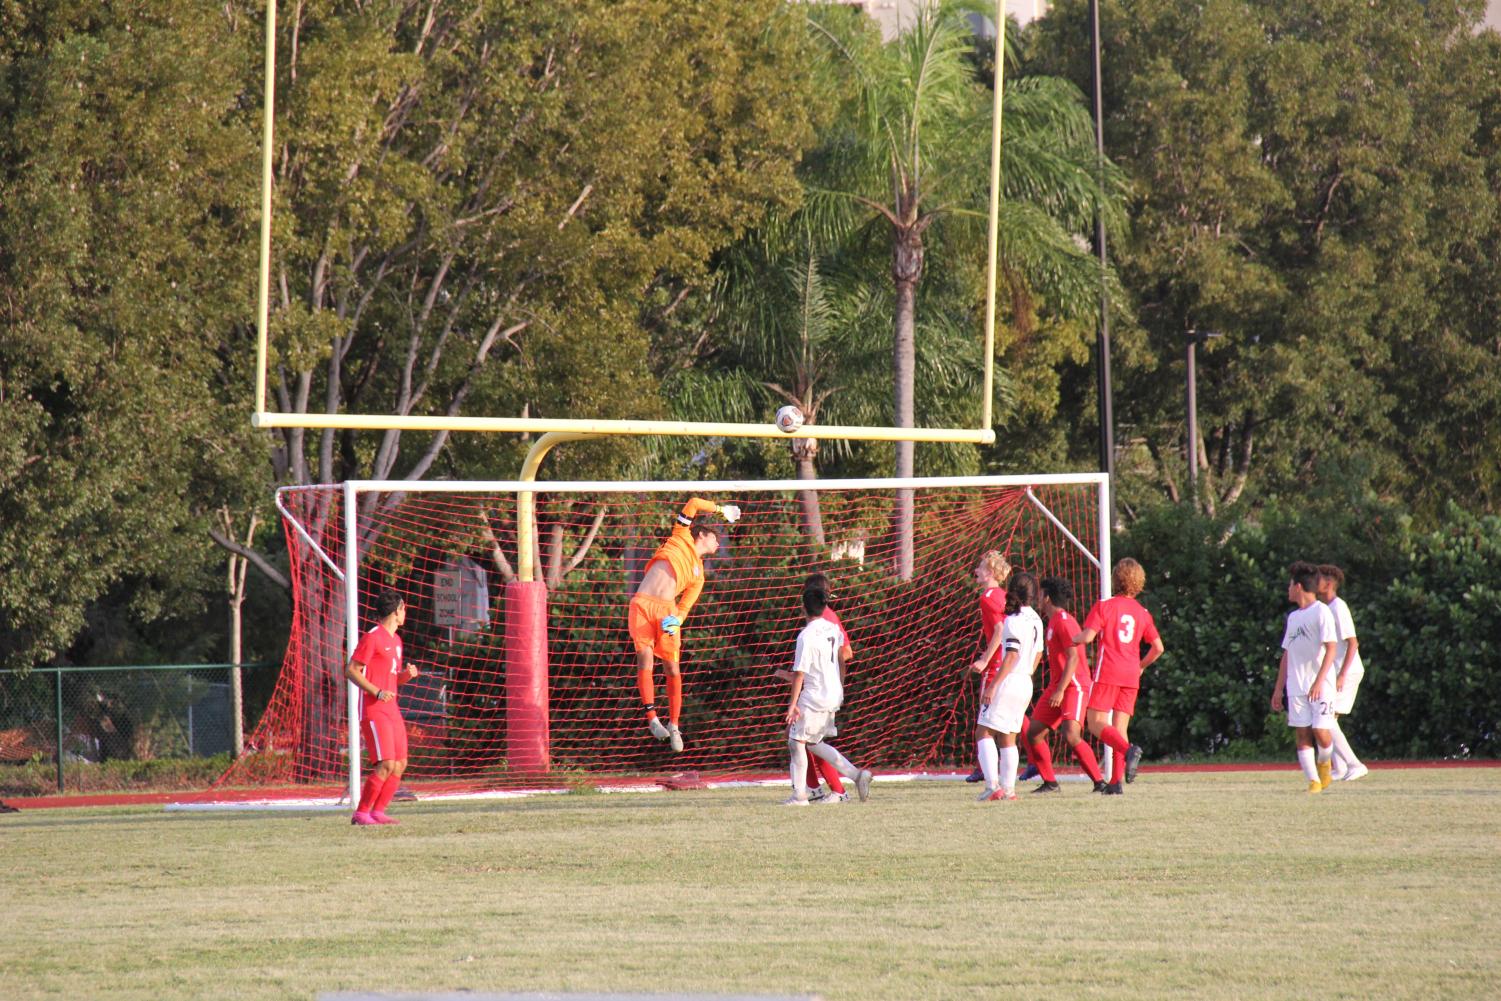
{"x": 1113, "y": 698}
{"x": 1072, "y": 708}
{"x": 645, "y": 623}
{"x": 386, "y": 737}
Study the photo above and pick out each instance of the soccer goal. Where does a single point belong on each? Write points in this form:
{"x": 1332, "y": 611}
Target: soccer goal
{"x": 531, "y": 683}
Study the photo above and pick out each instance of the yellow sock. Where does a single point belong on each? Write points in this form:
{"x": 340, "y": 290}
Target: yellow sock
{"x": 1325, "y": 774}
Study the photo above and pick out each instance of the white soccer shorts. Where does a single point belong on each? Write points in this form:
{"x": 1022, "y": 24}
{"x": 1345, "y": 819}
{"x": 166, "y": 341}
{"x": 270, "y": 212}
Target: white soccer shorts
{"x": 812, "y": 727}
{"x": 1344, "y": 699}
{"x": 1303, "y": 712}
{"x": 1009, "y": 707}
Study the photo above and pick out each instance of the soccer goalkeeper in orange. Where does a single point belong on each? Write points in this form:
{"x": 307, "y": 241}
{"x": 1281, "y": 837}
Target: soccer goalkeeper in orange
{"x": 674, "y": 579}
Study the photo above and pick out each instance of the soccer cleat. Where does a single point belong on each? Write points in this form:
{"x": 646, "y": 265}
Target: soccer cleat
{"x": 1100, "y": 786}
{"x": 1114, "y": 789}
{"x": 1028, "y": 774}
{"x": 1047, "y": 787}
{"x": 794, "y": 801}
{"x": 1315, "y": 786}
{"x": 363, "y": 819}
{"x": 833, "y": 797}
{"x": 1356, "y": 772}
{"x": 988, "y": 794}
{"x": 975, "y": 776}
{"x": 862, "y": 784}
{"x": 381, "y": 818}
{"x": 657, "y": 729}
{"x": 1133, "y": 761}
{"x": 1001, "y": 796}
{"x": 1324, "y": 774}
{"x": 675, "y": 738}
{"x": 817, "y": 795}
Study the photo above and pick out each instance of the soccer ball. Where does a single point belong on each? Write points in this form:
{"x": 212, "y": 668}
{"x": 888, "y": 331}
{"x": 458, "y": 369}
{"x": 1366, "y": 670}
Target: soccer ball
{"x": 789, "y": 419}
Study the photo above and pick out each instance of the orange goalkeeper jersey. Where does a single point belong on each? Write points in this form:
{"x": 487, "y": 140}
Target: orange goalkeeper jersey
{"x": 680, "y": 554}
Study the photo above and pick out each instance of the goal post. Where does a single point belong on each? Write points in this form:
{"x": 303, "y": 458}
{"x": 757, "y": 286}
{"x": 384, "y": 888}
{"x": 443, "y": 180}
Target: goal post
{"x": 532, "y": 683}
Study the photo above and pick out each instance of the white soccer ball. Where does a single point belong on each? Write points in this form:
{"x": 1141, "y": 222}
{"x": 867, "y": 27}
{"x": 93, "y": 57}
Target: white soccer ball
{"x": 789, "y": 419}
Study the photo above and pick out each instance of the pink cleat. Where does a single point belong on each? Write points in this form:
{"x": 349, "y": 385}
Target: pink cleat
{"x": 363, "y": 819}
{"x": 381, "y": 818}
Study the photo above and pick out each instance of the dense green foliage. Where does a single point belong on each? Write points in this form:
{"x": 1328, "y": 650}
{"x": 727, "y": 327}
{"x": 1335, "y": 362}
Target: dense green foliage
{"x": 504, "y": 209}
{"x": 1427, "y": 608}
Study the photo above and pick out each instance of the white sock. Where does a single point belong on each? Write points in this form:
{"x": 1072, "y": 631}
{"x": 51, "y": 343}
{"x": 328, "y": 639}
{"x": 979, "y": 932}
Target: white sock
{"x": 1105, "y": 759}
{"x": 1323, "y": 754}
{"x": 1009, "y": 758}
{"x": 1342, "y": 747}
{"x": 990, "y": 762}
{"x": 833, "y": 757}
{"x": 798, "y": 752}
{"x": 1305, "y": 761}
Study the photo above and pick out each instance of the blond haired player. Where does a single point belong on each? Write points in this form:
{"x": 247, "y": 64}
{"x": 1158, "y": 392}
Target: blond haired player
{"x": 1122, "y": 626}
{"x": 1007, "y": 688}
{"x": 1305, "y": 675}
{"x": 673, "y": 581}
{"x": 1348, "y": 670}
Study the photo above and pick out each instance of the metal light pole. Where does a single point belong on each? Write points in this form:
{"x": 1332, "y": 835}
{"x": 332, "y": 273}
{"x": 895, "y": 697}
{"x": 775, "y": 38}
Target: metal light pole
{"x": 1102, "y": 342}
{"x": 1192, "y": 340}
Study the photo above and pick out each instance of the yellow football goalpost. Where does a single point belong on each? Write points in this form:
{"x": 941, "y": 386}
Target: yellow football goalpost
{"x": 556, "y": 430}
{"x": 984, "y": 434}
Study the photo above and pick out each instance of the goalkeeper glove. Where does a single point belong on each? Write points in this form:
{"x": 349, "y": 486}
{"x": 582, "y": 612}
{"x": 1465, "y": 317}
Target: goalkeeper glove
{"x": 670, "y": 624}
{"x": 731, "y": 513}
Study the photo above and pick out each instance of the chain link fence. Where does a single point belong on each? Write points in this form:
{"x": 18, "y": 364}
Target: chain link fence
{"x": 134, "y": 713}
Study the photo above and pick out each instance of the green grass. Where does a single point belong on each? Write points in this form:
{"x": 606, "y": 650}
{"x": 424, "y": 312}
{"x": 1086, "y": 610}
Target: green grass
{"x": 1230, "y": 885}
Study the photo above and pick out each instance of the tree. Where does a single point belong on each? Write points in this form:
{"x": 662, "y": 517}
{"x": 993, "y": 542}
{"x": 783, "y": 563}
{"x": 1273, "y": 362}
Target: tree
{"x": 905, "y": 158}
{"x": 1304, "y": 175}
{"x": 122, "y": 242}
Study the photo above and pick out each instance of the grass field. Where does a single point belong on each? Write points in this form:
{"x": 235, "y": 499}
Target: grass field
{"x": 1227, "y": 885}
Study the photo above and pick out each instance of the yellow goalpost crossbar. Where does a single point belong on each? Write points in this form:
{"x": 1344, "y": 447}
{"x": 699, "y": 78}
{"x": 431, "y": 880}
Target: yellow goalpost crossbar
{"x": 262, "y": 418}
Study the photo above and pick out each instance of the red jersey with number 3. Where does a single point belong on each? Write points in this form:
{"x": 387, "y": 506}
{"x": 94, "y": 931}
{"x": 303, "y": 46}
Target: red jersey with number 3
{"x": 1121, "y": 626}
{"x": 380, "y": 652}
{"x": 992, "y": 614}
{"x": 1062, "y": 628}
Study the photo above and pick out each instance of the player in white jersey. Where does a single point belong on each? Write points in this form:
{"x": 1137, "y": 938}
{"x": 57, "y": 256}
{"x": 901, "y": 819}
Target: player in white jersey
{"x": 817, "y": 694}
{"x": 1004, "y": 700}
{"x": 1348, "y": 670}
{"x": 1306, "y": 675}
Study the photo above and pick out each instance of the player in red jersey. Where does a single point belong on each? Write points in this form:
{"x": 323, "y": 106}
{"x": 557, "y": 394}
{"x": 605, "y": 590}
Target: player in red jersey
{"x": 1062, "y": 704}
{"x": 375, "y": 668}
{"x": 1121, "y": 625}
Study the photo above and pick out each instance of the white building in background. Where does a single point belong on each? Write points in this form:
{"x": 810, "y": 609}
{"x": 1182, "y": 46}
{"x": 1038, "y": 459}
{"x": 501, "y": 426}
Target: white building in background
{"x": 894, "y": 15}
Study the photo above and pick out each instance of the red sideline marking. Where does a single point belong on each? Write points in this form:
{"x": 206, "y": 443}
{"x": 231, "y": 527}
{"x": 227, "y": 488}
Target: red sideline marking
{"x": 334, "y": 792}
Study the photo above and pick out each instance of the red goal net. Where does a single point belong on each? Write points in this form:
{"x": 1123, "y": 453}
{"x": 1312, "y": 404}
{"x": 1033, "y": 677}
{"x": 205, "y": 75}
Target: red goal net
{"x": 450, "y": 550}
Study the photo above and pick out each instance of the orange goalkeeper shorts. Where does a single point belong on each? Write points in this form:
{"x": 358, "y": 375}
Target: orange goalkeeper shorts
{"x": 645, "y": 622}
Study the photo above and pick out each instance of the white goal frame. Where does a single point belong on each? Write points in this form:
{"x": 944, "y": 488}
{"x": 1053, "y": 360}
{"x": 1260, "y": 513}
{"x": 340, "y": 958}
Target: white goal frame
{"x": 352, "y": 489}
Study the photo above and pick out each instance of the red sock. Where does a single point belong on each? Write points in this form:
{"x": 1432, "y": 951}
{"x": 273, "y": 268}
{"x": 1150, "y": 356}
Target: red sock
{"x": 1112, "y": 737}
{"x": 1087, "y": 761}
{"x": 383, "y": 798}
{"x": 1042, "y": 757}
{"x": 648, "y": 692}
{"x": 674, "y": 697}
{"x": 1021, "y": 745}
{"x": 368, "y": 792}
{"x": 812, "y": 779}
{"x": 830, "y": 774}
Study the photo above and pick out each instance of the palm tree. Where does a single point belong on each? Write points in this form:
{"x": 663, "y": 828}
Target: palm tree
{"x": 908, "y": 152}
